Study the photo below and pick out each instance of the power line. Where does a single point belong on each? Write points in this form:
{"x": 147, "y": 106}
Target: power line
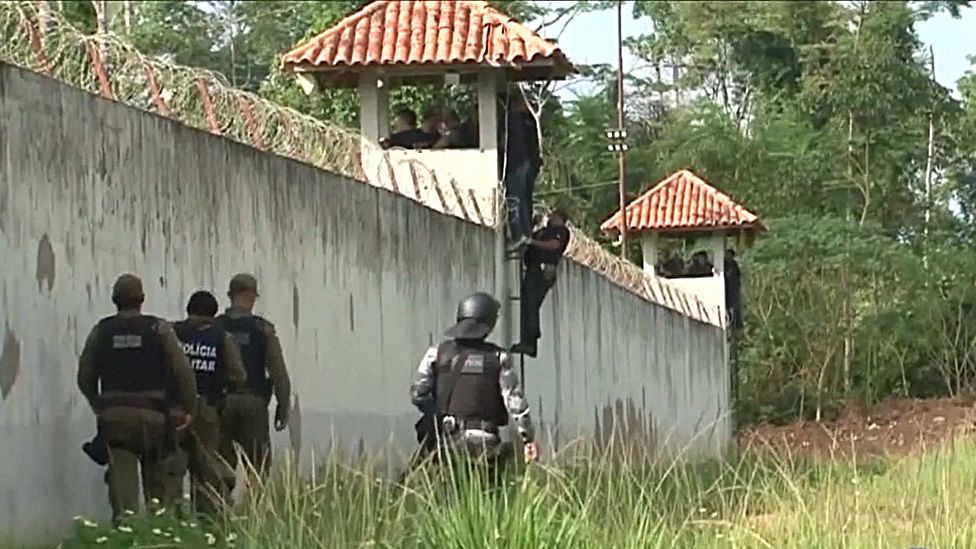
{"x": 579, "y": 188}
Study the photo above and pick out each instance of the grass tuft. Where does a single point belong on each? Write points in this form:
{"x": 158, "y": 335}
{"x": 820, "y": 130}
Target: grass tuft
{"x": 761, "y": 499}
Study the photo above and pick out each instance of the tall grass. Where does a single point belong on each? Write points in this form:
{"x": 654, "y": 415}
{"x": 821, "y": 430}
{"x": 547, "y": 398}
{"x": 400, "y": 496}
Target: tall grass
{"x": 761, "y": 500}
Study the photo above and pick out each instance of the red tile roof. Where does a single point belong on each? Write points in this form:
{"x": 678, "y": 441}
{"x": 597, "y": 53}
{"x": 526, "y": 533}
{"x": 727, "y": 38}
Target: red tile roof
{"x": 425, "y": 32}
{"x": 683, "y": 202}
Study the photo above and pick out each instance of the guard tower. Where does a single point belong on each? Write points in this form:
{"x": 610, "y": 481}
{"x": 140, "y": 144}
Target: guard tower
{"x": 684, "y": 225}
{"x": 391, "y": 43}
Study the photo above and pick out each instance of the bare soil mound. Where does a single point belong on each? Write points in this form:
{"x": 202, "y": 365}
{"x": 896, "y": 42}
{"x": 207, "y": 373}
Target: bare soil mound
{"x": 895, "y": 426}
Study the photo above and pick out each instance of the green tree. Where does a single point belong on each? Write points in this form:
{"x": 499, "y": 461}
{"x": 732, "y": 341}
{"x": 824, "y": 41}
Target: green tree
{"x": 178, "y": 30}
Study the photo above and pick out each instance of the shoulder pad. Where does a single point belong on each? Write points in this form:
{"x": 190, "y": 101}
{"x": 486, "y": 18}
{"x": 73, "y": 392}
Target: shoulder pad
{"x": 105, "y": 319}
{"x": 160, "y": 325}
{"x": 264, "y": 324}
{"x": 445, "y": 350}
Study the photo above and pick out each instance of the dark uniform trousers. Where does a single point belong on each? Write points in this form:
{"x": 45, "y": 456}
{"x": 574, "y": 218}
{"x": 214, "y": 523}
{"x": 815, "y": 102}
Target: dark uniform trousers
{"x": 538, "y": 280}
{"x": 245, "y": 422}
{"x": 209, "y": 473}
{"x": 138, "y": 437}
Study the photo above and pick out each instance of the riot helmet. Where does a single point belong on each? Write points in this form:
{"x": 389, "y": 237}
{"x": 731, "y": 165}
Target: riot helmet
{"x": 476, "y": 317}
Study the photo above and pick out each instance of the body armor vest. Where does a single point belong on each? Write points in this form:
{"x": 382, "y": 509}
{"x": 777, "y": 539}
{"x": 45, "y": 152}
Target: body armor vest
{"x": 202, "y": 344}
{"x": 467, "y": 382}
{"x": 130, "y": 355}
{"x": 249, "y": 335}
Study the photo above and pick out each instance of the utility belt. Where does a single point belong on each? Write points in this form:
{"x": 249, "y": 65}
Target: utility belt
{"x": 453, "y": 425}
{"x": 149, "y": 402}
{"x": 262, "y": 389}
{"x": 214, "y": 401}
{"x": 548, "y": 270}
{"x": 154, "y": 402}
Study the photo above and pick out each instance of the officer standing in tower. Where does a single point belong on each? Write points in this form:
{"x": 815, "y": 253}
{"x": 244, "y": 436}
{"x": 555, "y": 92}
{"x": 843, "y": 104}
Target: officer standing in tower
{"x": 245, "y": 418}
{"x": 471, "y": 385}
{"x": 128, "y": 362}
{"x": 217, "y": 365}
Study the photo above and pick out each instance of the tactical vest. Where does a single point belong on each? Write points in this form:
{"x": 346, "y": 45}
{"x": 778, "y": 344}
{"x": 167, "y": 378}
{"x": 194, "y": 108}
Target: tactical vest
{"x": 249, "y": 334}
{"x": 203, "y": 347}
{"x": 129, "y": 354}
{"x": 467, "y": 382}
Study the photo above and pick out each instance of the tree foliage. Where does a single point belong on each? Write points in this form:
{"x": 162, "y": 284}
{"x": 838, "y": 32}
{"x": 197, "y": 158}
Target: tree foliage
{"x": 817, "y": 116}
{"x": 822, "y": 117}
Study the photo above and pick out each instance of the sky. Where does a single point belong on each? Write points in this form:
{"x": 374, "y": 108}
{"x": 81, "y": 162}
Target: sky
{"x": 592, "y": 38}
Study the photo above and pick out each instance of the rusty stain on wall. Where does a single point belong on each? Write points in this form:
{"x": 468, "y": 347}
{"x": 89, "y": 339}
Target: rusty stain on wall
{"x": 45, "y": 264}
{"x": 9, "y": 363}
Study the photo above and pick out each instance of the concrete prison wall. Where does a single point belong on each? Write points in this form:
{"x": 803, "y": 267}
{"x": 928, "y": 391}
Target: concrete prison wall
{"x": 357, "y": 279}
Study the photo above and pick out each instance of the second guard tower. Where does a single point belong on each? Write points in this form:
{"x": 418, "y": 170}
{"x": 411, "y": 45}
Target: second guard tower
{"x": 684, "y": 225}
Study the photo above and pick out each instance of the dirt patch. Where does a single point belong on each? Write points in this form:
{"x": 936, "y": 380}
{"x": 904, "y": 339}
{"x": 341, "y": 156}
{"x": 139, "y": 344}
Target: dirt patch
{"x": 897, "y": 426}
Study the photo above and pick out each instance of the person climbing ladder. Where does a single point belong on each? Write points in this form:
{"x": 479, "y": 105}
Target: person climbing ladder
{"x": 542, "y": 256}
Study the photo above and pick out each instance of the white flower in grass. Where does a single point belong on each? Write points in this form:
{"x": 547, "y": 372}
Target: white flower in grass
{"x": 125, "y": 529}
{"x": 161, "y": 511}
{"x": 193, "y": 525}
{"x": 210, "y": 538}
{"x": 78, "y": 518}
{"x": 154, "y": 501}
{"x": 101, "y": 540}
{"x": 89, "y": 524}
{"x": 231, "y": 537}
{"x": 702, "y": 510}
{"x": 177, "y": 540}
{"x": 157, "y": 531}
{"x": 714, "y": 514}
{"x": 128, "y": 512}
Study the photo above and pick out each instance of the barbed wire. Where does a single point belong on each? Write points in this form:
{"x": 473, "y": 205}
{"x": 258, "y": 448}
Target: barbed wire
{"x": 107, "y": 65}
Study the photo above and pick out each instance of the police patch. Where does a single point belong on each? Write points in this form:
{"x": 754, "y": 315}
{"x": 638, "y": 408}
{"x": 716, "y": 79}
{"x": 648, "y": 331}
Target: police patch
{"x": 473, "y": 364}
{"x": 127, "y": 341}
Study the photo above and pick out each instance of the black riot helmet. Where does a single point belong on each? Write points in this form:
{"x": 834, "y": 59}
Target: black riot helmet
{"x": 476, "y": 317}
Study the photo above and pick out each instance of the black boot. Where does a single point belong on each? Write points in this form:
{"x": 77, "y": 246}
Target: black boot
{"x": 97, "y": 450}
{"x": 525, "y": 349}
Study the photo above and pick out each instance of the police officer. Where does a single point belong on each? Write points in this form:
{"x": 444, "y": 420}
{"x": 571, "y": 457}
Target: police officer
{"x": 217, "y": 365}
{"x": 471, "y": 385}
{"x": 128, "y": 361}
{"x": 245, "y": 418}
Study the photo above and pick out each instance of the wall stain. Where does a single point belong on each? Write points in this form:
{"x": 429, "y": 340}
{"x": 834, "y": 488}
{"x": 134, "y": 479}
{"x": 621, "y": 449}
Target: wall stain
{"x": 294, "y": 305}
{"x": 624, "y": 431}
{"x": 352, "y": 316}
{"x": 69, "y": 251}
{"x": 45, "y": 264}
{"x": 295, "y": 426}
{"x": 9, "y": 363}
